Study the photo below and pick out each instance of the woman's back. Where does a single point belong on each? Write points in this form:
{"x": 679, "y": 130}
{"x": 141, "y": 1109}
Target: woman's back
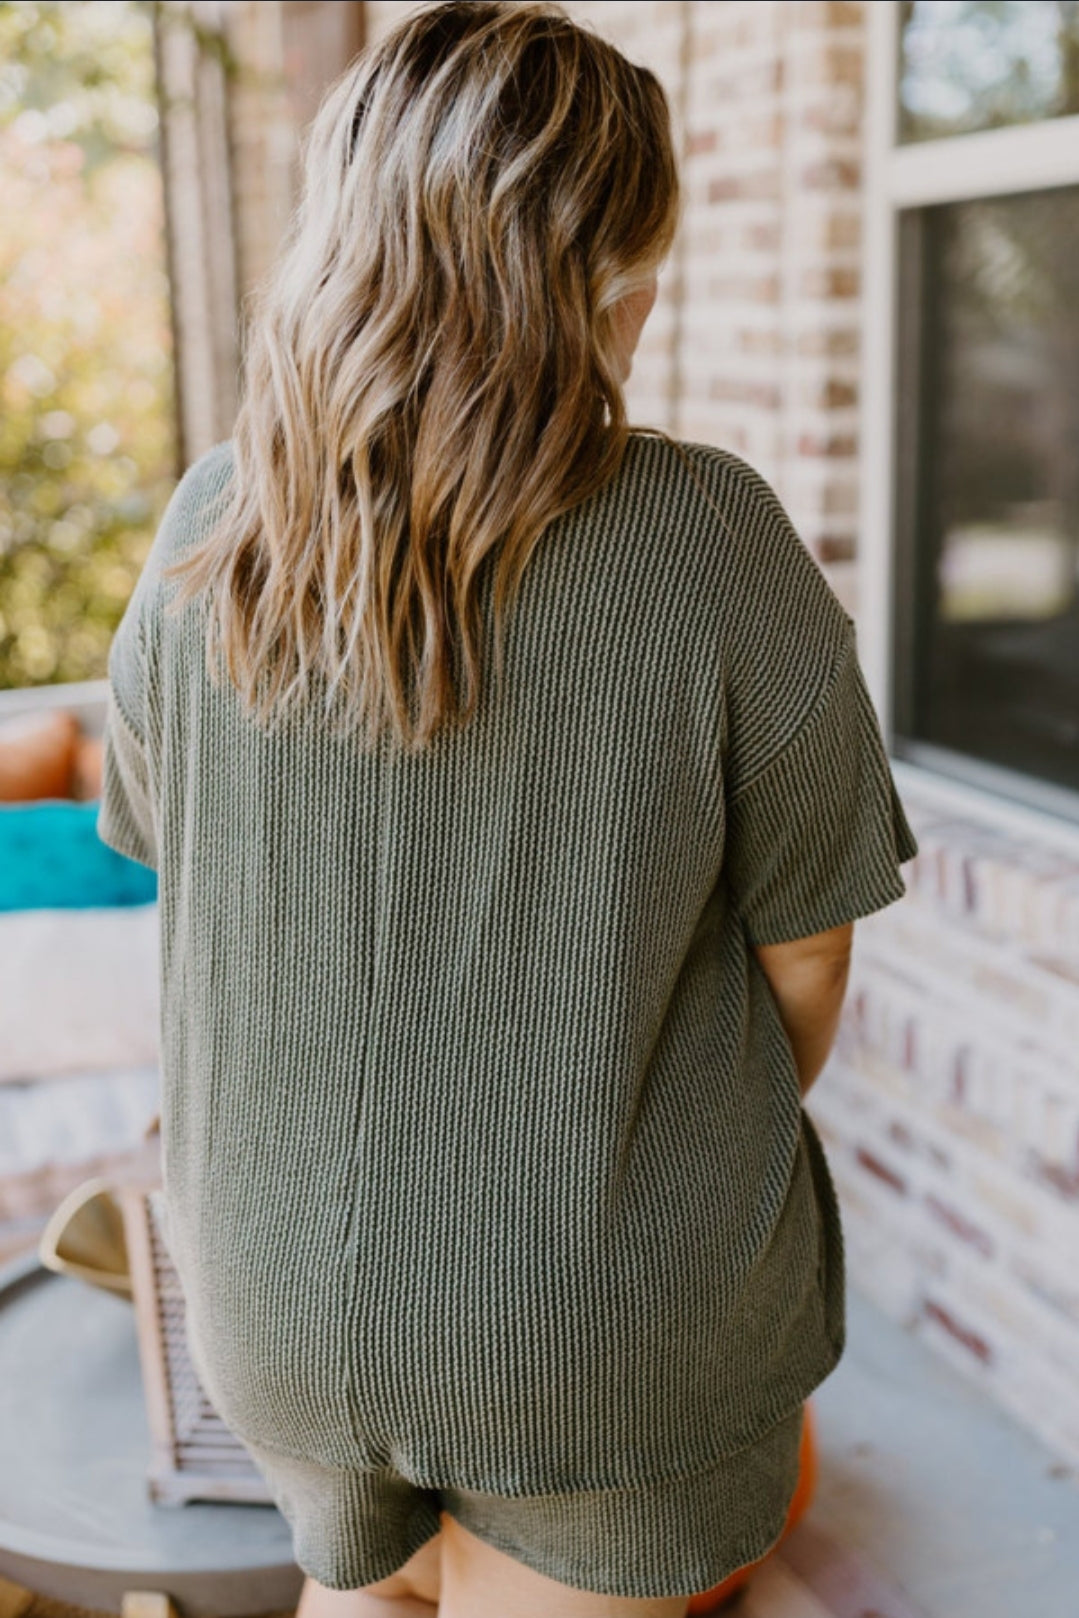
{"x": 487, "y": 1175}
{"x": 481, "y": 1131}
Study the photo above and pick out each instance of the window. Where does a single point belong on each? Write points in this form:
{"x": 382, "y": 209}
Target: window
{"x": 976, "y": 249}
{"x": 966, "y": 66}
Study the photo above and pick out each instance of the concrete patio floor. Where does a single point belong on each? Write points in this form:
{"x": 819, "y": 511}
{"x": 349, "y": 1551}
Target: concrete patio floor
{"x": 931, "y": 1501}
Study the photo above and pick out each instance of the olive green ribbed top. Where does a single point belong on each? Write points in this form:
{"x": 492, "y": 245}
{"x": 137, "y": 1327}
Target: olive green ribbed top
{"x": 484, "y": 1151}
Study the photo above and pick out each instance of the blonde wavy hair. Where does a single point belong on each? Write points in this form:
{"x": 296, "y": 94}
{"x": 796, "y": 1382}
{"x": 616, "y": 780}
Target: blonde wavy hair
{"x": 431, "y": 373}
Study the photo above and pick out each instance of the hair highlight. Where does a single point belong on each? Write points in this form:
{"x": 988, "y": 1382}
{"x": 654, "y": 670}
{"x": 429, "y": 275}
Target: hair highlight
{"x": 430, "y": 372}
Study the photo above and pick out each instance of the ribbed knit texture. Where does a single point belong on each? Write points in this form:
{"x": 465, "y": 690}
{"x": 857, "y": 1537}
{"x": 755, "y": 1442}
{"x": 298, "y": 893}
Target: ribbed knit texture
{"x": 353, "y": 1527}
{"x": 483, "y": 1146}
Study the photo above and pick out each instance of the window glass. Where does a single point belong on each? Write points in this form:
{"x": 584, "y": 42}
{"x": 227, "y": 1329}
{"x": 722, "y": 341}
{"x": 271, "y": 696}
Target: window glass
{"x": 978, "y": 64}
{"x": 988, "y": 629}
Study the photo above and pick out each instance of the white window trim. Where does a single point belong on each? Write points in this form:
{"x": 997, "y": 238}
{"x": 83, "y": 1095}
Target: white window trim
{"x": 86, "y": 699}
{"x": 992, "y": 163}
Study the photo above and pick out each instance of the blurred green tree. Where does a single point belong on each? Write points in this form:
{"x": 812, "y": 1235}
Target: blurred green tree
{"x": 87, "y": 422}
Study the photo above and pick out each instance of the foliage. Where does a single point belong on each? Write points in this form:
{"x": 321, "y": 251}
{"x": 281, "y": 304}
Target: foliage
{"x": 87, "y": 445}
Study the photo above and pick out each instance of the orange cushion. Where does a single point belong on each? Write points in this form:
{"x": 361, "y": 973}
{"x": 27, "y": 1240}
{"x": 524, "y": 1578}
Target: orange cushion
{"x": 37, "y": 755}
{"x": 86, "y": 782}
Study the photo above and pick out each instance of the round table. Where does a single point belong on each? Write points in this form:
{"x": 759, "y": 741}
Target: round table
{"x": 76, "y": 1520}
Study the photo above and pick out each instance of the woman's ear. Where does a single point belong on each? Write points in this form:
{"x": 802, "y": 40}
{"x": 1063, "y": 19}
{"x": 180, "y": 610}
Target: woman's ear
{"x": 629, "y": 316}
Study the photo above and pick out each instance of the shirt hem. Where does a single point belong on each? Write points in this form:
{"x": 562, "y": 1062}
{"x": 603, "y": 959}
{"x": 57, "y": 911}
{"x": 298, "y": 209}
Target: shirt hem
{"x": 504, "y": 1489}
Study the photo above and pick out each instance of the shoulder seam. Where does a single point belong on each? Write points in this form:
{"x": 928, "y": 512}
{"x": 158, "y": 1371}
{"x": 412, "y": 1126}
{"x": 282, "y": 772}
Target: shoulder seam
{"x": 846, "y": 652}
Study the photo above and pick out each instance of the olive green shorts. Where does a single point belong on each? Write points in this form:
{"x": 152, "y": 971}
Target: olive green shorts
{"x": 678, "y": 1537}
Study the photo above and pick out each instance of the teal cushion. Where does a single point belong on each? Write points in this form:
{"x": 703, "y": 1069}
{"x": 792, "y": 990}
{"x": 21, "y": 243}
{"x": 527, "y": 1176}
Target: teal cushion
{"x": 51, "y": 858}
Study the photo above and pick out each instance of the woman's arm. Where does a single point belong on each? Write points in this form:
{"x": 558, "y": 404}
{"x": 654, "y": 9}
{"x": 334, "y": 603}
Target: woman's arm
{"x": 808, "y": 978}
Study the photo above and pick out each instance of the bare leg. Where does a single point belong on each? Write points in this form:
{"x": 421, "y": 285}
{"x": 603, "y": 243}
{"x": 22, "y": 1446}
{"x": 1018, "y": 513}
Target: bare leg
{"x": 479, "y": 1581}
{"x": 411, "y": 1592}
{"x": 318, "y": 1602}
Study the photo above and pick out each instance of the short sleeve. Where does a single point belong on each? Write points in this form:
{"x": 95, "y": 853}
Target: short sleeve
{"x": 817, "y": 837}
{"x": 126, "y": 818}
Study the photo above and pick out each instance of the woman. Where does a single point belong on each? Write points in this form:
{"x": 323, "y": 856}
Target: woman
{"x": 513, "y": 788}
